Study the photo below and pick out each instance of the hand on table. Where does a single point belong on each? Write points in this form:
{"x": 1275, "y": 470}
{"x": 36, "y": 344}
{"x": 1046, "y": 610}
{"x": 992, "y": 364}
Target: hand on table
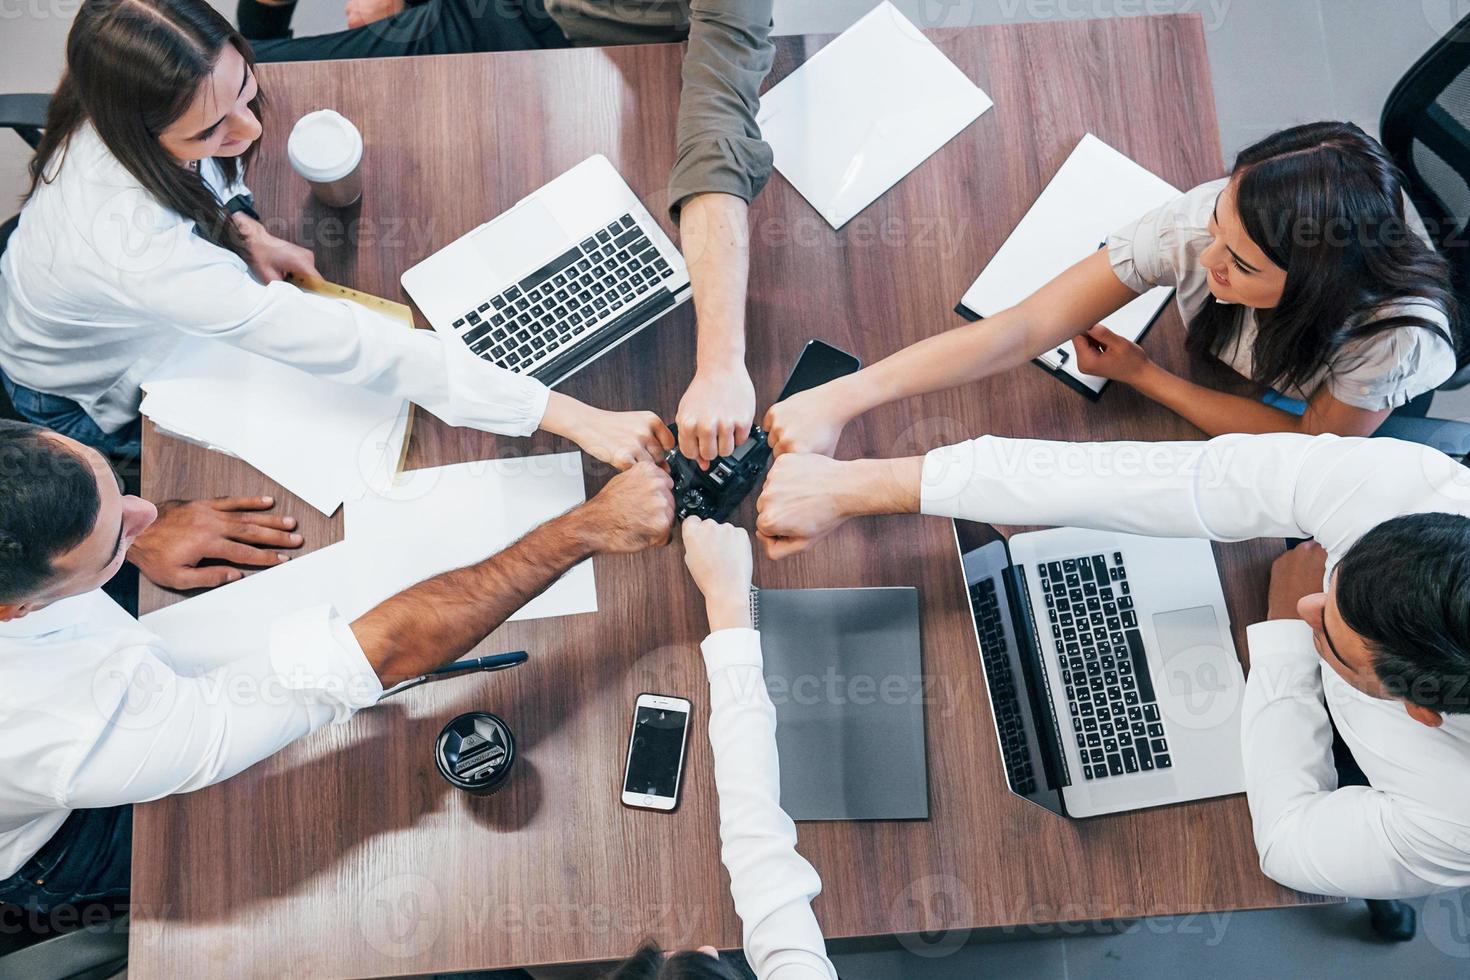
{"x": 719, "y": 560}
{"x": 272, "y": 258}
{"x": 808, "y": 422}
{"x": 228, "y": 529}
{"x": 1295, "y": 575}
{"x": 360, "y": 12}
{"x": 1108, "y": 355}
{"x": 716, "y": 413}
{"x": 634, "y": 511}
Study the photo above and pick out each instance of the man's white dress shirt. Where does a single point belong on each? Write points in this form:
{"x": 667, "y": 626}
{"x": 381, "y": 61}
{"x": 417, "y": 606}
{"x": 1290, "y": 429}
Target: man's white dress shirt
{"x": 771, "y": 884}
{"x": 100, "y": 283}
{"x": 95, "y": 713}
{"x": 1409, "y": 834}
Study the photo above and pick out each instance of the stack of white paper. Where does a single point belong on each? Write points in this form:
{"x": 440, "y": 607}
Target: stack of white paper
{"x": 864, "y": 111}
{"x": 433, "y": 520}
{"x": 323, "y": 441}
{"x": 1096, "y": 191}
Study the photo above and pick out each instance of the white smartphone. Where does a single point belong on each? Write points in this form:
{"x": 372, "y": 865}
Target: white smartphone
{"x": 656, "y": 752}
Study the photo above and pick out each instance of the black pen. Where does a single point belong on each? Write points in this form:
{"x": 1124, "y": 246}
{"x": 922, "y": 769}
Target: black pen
{"x": 495, "y": 661}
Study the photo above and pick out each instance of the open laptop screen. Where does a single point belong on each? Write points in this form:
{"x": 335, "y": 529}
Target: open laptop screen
{"x": 1009, "y": 661}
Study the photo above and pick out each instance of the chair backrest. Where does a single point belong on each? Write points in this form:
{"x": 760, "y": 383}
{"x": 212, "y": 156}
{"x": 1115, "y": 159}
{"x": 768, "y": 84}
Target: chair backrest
{"x": 1426, "y": 129}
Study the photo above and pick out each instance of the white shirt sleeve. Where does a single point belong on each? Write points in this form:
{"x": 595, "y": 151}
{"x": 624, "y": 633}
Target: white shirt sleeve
{"x": 1310, "y": 834}
{"x": 162, "y": 732}
{"x": 1231, "y": 488}
{"x": 208, "y": 292}
{"x": 772, "y": 885}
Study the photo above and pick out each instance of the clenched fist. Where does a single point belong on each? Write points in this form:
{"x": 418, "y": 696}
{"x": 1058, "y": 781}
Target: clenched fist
{"x": 719, "y": 561}
{"x": 634, "y": 511}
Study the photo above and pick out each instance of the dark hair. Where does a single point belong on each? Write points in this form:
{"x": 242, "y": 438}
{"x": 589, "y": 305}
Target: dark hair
{"x": 649, "y": 964}
{"x": 1404, "y": 587}
{"x": 48, "y": 505}
{"x": 132, "y": 69}
{"x": 1325, "y": 202}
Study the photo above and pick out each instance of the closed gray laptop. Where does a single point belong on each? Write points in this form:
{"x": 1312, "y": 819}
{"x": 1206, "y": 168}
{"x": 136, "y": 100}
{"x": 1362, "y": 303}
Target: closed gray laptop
{"x": 844, "y": 672}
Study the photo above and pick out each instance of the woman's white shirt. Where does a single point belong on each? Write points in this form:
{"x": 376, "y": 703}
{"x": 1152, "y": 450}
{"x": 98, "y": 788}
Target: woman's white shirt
{"x": 100, "y": 283}
{"x": 772, "y": 885}
{"x": 1383, "y": 371}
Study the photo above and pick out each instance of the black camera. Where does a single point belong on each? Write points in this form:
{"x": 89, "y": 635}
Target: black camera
{"x": 716, "y": 492}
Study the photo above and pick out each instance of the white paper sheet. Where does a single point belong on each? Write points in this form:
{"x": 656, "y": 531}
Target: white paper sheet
{"x": 325, "y": 442}
{"x": 864, "y": 111}
{"x": 1096, "y": 191}
{"x": 431, "y": 521}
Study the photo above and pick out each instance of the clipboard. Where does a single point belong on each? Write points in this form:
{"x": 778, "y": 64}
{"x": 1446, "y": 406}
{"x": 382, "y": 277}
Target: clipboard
{"x": 1095, "y": 191}
{"x": 395, "y": 311}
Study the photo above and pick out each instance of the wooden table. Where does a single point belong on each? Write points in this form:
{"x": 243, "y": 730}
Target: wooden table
{"x": 347, "y": 855}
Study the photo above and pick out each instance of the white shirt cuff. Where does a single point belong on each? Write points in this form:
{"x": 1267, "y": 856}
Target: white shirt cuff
{"x": 315, "y": 655}
{"x": 1284, "y": 658}
{"x": 739, "y": 647}
{"x": 485, "y": 396}
{"x": 1281, "y": 639}
{"x": 948, "y": 473}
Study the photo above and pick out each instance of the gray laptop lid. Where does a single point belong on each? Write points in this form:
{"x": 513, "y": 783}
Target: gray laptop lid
{"x": 844, "y": 672}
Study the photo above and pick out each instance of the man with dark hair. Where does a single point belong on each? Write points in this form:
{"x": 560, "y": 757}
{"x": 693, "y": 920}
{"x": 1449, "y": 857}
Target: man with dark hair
{"x": 1373, "y": 618}
{"x": 93, "y": 716}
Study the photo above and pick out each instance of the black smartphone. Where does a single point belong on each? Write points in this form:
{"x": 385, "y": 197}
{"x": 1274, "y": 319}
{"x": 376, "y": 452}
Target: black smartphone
{"x": 655, "y": 766}
{"x": 819, "y": 363}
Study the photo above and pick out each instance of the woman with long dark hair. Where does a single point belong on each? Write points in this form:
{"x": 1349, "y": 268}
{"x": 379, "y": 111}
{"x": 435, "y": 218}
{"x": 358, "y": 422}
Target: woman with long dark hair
{"x": 1299, "y": 271}
{"x": 138, "y": 232}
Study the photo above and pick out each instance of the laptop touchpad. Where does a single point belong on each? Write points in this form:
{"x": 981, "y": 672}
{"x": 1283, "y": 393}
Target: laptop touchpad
{"x": 1192, "y": 653}
{"x": 518, "y": 242}
{"x": 1184, "y": 629}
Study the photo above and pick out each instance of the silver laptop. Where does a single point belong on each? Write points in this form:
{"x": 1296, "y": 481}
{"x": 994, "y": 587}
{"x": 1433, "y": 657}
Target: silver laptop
{"x": 561, "y": 278}
{"x": 1113, "y": 679}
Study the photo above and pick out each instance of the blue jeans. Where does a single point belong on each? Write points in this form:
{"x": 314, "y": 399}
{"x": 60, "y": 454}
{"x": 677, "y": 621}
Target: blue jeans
{"x": 88, "y": 860}
{"x": 66, "y": 417}
{"x": 1414, "y": 408}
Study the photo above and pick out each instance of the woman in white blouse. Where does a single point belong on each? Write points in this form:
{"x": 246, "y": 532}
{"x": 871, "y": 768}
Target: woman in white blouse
{"x": 771, "y": 884}
{"x": 1299, "y": 271}
{"x": 138, "y": 232}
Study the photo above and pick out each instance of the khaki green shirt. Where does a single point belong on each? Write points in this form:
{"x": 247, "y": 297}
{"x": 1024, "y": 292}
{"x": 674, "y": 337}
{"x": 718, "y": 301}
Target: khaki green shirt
{"x": 730, "y": 52}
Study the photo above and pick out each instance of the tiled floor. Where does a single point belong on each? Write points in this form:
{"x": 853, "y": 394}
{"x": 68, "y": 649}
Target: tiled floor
{"x": 1275, "y": 62}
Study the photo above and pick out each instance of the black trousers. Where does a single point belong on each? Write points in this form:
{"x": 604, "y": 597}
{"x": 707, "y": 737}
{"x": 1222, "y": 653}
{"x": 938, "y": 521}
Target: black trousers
{"x": 1349, "y": 773}
{"x": 435, "y": 27}
{"x": 88, "y": 860}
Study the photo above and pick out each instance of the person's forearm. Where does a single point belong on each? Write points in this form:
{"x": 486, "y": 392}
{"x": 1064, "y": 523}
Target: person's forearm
{"x": 871, "y": 487}
{"x": 956, "y": 357}
{"x": 1215, "y": 412}
{"x": 438, "y": 620}
{"x": 1058, "y": 311}
{"x": 715, "y": 239}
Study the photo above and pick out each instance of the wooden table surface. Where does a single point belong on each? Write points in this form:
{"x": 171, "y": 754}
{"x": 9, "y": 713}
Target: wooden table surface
{"x": 347, "y": 855}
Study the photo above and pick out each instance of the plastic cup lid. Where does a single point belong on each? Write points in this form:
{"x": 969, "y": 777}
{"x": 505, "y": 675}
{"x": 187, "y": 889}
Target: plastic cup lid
{"x": 324, "y": 146}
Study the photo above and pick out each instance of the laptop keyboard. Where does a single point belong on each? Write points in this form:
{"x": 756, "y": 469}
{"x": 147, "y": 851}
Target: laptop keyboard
{"x": 586, "y": 288}
{"x": 994, "y": 651}
{"x": 1115, "y": 715}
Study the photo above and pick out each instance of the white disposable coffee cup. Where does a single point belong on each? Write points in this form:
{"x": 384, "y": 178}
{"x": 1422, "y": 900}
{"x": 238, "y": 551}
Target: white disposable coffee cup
{"x": 326, "y": 149}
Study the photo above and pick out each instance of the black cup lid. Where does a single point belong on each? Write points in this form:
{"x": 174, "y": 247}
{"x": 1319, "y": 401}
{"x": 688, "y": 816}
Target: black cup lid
{"x": 475, "y": 750}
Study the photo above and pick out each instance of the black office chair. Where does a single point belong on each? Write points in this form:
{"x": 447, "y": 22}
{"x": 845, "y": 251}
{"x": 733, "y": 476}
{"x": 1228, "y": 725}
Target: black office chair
{"x": 1426, "y": 129}
{"x": 26, "y": 114}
